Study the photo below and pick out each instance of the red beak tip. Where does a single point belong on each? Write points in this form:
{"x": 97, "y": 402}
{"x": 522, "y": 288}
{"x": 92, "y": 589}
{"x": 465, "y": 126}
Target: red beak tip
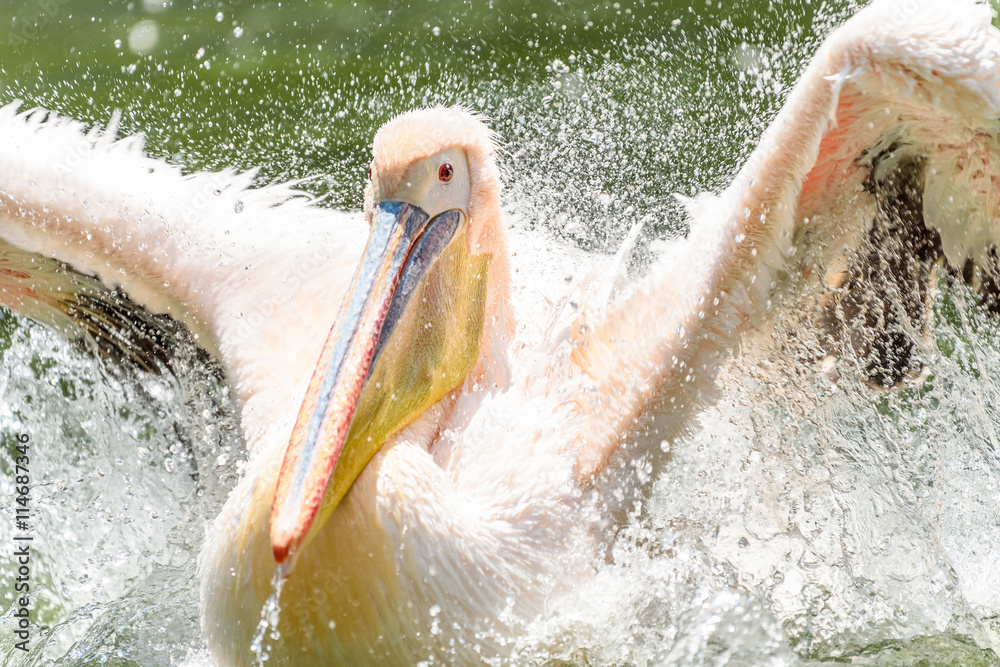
{"x": 282, "y": 543}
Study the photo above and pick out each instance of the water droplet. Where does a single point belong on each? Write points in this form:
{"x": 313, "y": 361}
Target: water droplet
{"x": 143, "y": 36}
{"x": 200, "y": 54}
{"x": 155, "y": 6}
{"x": 436, "y": 31}
{"x": 237, "y": 31}
{"x": 435, "y": 610}
{"x": 219, "y": 17}
{"x": 238, "y": 207}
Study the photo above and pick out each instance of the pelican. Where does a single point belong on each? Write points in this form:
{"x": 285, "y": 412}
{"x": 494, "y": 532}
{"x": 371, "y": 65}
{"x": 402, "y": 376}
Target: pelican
{"x": 426, "y": 473}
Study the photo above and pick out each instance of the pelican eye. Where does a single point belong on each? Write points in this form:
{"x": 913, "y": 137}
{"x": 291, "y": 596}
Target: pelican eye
{"x": 445, "y": 172}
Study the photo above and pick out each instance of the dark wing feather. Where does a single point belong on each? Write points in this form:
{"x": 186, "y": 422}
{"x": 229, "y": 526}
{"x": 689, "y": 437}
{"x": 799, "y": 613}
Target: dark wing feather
{"x": 79, "y": 307}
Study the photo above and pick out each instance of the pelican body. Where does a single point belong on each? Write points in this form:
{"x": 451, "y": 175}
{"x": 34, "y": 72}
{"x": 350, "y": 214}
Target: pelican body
{"x": 425, "y": 473}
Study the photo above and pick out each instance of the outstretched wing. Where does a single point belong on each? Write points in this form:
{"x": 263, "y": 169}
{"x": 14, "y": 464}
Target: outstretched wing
{"x": 884, "y": 159}
{"x": 255, "y": 274}
{"x": 906, "y": 175}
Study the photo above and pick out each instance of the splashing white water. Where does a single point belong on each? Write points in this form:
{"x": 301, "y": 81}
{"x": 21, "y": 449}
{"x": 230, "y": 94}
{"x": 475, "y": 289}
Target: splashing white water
{"x": 125, "y": 473}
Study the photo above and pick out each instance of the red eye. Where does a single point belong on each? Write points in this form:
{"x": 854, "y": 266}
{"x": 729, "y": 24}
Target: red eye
{"x": 445, "y": 172}
{"x": 369, "y": 173}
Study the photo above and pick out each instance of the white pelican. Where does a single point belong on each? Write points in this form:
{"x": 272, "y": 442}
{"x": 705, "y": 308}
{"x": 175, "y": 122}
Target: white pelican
{"x": 425, "y": 482}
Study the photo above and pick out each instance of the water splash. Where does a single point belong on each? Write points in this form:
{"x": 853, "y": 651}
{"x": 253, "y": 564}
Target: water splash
{"x": 116, "y": 528}
{"x": 269, "y": 614}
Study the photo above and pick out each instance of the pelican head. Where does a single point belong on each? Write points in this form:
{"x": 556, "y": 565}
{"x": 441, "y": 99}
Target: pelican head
{"x": 419, "y": 318}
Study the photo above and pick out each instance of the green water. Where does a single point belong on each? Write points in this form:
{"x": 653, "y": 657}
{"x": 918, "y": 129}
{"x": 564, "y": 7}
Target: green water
{"x": 299, "y": 88}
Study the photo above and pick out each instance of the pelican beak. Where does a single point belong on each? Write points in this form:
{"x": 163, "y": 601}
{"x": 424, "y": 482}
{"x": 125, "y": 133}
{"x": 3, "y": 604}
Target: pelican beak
{"x": 378, "y": 370}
